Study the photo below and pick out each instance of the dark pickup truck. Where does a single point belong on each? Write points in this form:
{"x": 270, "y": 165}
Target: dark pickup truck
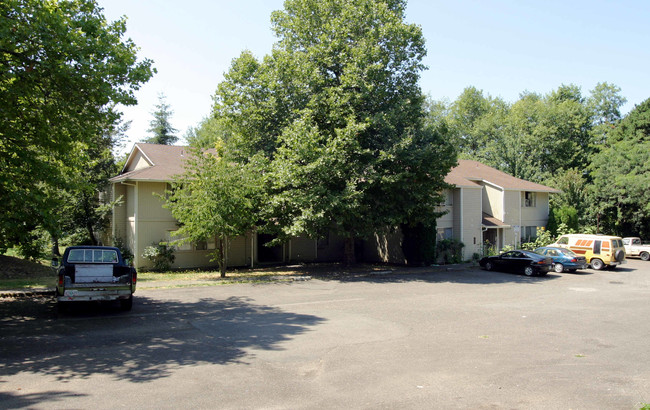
{"x": 94, "y": 273}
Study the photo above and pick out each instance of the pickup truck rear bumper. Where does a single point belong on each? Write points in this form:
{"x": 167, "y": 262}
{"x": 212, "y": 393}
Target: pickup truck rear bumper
{"x": 99, "y": 293}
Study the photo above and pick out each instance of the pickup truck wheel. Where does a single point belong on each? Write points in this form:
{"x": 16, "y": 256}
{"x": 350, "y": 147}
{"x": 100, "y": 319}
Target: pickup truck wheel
{"x": 597, "y": 264}
{"x": 126, "y": 304}
{"x": 645, "y": 256}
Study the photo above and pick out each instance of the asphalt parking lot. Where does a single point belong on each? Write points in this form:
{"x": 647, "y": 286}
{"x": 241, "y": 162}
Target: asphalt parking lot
{"x": 446, "y": 339}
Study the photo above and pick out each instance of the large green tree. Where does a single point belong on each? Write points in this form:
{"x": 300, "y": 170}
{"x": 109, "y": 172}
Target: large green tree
{"x": 63, "y": 69}
{"x": 338, "y": 108}
{"x": 621, "y": 177}
{"x": 537, "y": 136}
{"x": 604, "y": 104}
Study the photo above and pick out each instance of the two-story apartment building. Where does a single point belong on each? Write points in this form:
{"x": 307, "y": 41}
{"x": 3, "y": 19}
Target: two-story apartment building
{"x": 485, "y": 204}
{"x": 489, "y": 205}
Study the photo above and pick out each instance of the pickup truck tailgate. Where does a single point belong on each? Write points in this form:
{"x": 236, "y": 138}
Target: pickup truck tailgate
{"x": 97, "y": 273}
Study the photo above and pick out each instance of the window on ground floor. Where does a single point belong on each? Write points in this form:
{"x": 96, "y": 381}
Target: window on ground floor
{"x": 528, "y": 234}
{"x": 445, "y": 233}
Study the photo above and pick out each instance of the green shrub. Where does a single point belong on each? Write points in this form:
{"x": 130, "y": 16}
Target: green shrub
{"x": 489, "y": 249}
{"x": 507, "y": 248}
{"x": 450, "y": 251}
{"x": 543, "y": 238}
{"x": 161, "y": 256}
{"x": 37, "y": 245}
{"x": 120, "y": 244}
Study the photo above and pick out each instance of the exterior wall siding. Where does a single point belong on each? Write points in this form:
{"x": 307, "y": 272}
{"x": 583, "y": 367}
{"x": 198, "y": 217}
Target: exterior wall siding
{"x": 538, "y": 214}
{"x": 456, "y": 213}
{"x": 385, "y": 248}
{"x": 472, "y": 221}
{"x": 118, "y": 220}
{"x": 138, "y": 162}
{"x": 492, "y": 201}
{"x": 447, "y": 220}
{"x": 330, "y": 249}
{"x": 512, "y": 217}
{"x": 301, "y": 249}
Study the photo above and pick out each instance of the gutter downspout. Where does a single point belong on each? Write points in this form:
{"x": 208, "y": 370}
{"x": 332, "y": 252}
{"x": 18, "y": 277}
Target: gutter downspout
{"x": 462, "y": 215}
{"x": 252, "y": 249}
{"x": 518, "y": 240}
{"x": 136, "y": 250}
{"x": 113, "y": 214}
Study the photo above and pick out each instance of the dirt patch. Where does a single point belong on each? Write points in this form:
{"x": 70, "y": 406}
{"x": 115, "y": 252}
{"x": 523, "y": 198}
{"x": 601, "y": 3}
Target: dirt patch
{"x": 16, "y": 268}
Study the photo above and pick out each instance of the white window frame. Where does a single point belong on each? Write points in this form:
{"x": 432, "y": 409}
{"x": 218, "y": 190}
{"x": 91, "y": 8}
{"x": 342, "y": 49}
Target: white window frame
{"x": 530, "y": 199}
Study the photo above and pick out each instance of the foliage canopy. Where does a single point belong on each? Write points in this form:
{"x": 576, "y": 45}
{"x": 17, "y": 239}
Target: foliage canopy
{"x": 63, "y": 69}
{"x": 338, "y": 111}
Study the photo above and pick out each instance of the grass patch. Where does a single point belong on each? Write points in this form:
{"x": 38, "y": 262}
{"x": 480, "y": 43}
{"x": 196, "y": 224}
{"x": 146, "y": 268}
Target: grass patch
{"x": 28, "y": 283}
{"x": 212, "y": 275}
{"x": 19, "y": 274}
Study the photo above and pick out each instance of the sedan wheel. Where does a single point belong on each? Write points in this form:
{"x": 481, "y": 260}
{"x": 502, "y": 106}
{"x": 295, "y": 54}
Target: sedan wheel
{"x": 529, "y": 271}
{"x": 645, "y": 256}
{"x": 558, "y": 267}
{"x": 488, "y": 266}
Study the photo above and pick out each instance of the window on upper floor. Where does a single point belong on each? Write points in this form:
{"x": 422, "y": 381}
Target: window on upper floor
{"x": 530, "y": 199}
{"x": 447, "y": 198}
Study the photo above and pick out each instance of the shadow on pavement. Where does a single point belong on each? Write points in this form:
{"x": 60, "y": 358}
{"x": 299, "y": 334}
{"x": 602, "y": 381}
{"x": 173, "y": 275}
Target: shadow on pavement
{"x": 148, "y": 343}
{"x": 29, "y": 400}
{"x": 467, "y": 274}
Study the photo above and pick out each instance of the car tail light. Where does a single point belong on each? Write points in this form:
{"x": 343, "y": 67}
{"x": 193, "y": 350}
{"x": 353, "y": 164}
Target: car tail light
{"x": 542, "y": 262}
{"x": 61, "y": 279}
{"x": 574, "y": 260}
{"x": 134, "y": 278}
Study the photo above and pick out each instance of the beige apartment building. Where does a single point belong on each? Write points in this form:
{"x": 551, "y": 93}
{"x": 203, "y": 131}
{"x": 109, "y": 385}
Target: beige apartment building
{"x": 484, "y": 205}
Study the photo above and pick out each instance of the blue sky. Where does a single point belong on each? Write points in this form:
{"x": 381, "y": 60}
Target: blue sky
{"x": 501, "y": 47}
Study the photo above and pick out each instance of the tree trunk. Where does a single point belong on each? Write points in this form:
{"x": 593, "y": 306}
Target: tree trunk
{"x": 222, "y": 258}
{"x": 91, "y": 234}
{"x": 89, "y": 223}
{"x": 348, "y": 252}
{"x": 55, "y": 246}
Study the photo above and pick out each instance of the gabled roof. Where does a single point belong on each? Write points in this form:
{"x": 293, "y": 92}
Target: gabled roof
{"x": 470, "y": 173}
{"x": 164, "y": 162}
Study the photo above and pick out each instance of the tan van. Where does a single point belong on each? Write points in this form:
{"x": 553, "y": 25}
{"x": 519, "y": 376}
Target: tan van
{"x": 600, "y": 250}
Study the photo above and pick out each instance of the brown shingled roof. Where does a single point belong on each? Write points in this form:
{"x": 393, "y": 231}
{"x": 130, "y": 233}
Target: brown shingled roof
{"x": 467, "y": 173}
{"x": 166, "y": 161}
{"x": 491, "y": 222}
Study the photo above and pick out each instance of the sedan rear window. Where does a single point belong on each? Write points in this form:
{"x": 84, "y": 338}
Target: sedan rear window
{"x": 567, "y": 252}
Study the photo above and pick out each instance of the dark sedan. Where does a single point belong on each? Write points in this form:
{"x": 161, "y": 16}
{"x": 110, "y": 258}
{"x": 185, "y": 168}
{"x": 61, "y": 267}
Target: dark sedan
{"x": 530, "y": 263}
{"x": 563, "y": 259}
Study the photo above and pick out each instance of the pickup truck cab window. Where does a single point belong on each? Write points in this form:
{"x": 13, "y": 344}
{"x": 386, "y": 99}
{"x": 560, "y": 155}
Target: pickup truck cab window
{"x": 92, "y": 256}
